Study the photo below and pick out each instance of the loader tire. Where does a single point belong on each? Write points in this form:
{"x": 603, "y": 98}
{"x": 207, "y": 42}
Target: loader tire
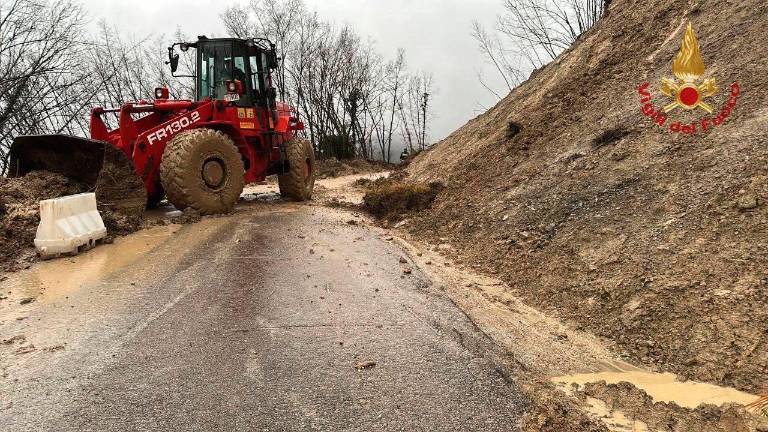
{"x": 202, "y": 169}
{"x": 299, "y": 182}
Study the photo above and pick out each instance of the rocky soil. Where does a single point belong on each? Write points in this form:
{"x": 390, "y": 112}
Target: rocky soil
{"x": 657, "y": 241}
{"x": 636, "y": 404}
{"x": 549, "y": 410}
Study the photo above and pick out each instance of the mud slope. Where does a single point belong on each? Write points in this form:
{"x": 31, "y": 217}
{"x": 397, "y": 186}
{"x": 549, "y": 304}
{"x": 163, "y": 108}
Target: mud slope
{"x": 655, "y": 240}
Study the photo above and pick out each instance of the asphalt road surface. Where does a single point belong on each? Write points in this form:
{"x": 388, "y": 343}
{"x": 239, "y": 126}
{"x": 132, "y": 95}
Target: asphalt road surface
{"x": 255, "y": 321}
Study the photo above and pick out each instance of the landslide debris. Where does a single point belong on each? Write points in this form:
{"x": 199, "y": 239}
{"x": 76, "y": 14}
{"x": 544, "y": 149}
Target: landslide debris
{"x": 549, "y": 410}
{"x": 20, "y": 214}
{"x": 332, "y": 167}
{"x": 20, "y": 199}
{"x": 636, "y": 404}
{"x": 394, "y": 197}
{"x": 657, "y": 241}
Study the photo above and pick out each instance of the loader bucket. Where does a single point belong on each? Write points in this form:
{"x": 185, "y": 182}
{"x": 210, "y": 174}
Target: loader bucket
{"x": 104, "y": 168}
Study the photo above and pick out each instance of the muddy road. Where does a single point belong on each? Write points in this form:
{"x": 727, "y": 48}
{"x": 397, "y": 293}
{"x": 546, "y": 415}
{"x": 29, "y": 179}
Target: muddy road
{"x": 287, "y": 316}
{"x": 280, "y": 317}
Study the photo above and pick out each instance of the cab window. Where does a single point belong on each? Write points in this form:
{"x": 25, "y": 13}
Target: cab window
{"x": 221, "y": 62}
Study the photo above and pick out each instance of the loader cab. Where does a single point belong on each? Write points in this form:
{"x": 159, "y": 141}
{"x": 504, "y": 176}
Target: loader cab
{"x": 235, "y": 70}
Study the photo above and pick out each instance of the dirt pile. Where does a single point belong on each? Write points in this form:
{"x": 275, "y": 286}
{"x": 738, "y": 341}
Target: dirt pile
{"x": 20, "y": 214}
{"x": 329, "y": 168}
{"x": 393, "y": 199}
{"x": 636, "y": 404}
{"x": 548, "y": 410}
{"x": 657, "y": 240}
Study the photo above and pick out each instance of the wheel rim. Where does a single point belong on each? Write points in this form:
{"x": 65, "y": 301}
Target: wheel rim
{"x": 214, "y": 173}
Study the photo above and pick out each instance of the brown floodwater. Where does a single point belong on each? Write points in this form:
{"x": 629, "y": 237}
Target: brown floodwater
{"x": 57, "y": 278}
{"x": 615, "y": 420}
{"x": 664, "y": 387}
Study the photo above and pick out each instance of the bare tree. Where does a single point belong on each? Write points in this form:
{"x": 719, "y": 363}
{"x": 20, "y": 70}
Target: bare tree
{"x": 276, "y": 20}
{"x": 51, "y": 74}
{"x": 544, "y": 28}
{"x": 415, "y": 112}
{"x": 348, "y": 96}
{"x": 425, "y": 90}
{"x": 42, "y": 72}
{"x": 129, "y": 70}
{"x": 535, "y": 33}
{"x": 395, "y": 78}
{"x": 504, "y": 60}
{"x": 237, "y": 20}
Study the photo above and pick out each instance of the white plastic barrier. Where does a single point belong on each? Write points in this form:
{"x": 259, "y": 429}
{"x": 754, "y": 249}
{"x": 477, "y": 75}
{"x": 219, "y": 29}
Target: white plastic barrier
{"x": 68, "y": 224}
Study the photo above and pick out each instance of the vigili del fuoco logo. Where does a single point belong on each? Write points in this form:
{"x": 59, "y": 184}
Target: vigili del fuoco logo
{"x": 688, "y": 92}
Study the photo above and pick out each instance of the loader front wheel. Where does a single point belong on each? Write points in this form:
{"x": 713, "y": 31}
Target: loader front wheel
{"x": 299, "y": 182}
{"x": 202, "y": 169}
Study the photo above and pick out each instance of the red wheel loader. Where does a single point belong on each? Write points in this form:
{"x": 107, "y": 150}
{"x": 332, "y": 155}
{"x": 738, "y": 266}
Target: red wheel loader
{"x": 198, "y": 153}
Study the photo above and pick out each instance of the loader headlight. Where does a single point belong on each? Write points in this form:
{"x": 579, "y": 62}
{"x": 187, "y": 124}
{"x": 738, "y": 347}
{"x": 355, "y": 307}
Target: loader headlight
{"x": 161, "y": 93}
{"x": 232, "y": 87}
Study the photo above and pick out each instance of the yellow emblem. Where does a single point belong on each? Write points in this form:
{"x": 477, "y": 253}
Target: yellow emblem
{"x": 688, "y": 67}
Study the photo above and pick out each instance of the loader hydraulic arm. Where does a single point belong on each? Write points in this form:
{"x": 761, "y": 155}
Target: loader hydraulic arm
{"x": 124, "y": 137}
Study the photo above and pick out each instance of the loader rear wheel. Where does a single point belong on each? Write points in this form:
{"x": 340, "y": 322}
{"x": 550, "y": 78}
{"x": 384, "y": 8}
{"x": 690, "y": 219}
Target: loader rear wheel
{"x": 299, "y": 182}
{"x": 202, "y": 169}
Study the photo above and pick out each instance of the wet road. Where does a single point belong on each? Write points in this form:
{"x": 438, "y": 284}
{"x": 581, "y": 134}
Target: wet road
{"x": 250, "y": 322}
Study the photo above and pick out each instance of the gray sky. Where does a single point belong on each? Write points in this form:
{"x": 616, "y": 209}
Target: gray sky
{"x": 435, "y": 34}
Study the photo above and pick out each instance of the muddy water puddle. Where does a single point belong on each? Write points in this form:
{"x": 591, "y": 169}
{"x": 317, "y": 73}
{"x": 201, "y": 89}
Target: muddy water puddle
{"x": 664, "y": 387}
{"x": 615, "y": 420}
{"x": 60, "y": 277}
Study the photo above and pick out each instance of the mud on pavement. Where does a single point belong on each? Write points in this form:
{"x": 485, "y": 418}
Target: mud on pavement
{"x": 554, "y": 352}
{"x": 528, "y": 347}
{"x": 549, "y": 351}
{"x": 233, "y": 326}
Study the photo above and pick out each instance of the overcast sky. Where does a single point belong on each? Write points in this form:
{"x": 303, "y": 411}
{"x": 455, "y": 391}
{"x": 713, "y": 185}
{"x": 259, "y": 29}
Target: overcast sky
{"x": 434, "y": 33}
